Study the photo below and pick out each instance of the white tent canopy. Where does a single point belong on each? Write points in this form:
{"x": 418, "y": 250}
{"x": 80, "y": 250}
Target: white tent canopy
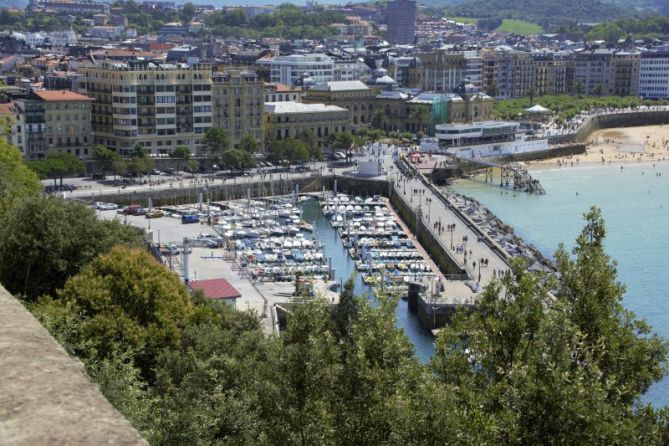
{"x": 537, "y": 109}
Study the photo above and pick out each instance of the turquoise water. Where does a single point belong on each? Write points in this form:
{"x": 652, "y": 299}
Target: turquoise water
{"x": 635, "y": 205}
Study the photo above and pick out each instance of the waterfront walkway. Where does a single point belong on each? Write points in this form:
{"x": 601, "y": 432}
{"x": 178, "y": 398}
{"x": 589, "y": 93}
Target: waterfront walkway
{"x": 460, "y": 236}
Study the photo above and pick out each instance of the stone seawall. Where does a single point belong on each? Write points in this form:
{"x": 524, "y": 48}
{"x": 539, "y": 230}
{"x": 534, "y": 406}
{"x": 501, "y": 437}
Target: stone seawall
{"x": 635, "y": 119}
{"x": 46, "y": 398}
{"x": 216, "y": 192}
{"x": 607, "y": 121}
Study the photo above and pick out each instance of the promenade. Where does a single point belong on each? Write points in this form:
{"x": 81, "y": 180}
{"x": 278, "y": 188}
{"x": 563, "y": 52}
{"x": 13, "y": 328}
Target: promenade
{"x": 459, "y": 236}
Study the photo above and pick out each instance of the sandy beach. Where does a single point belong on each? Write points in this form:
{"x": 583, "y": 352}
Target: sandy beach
{"x": 619, "y": 145}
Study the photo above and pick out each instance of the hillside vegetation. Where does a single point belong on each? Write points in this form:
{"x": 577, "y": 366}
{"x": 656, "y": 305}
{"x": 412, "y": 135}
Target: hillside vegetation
{"x": 543, "y": 12}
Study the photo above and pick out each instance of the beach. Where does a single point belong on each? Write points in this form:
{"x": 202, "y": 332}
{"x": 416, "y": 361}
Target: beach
{"x": 618, "y": 145}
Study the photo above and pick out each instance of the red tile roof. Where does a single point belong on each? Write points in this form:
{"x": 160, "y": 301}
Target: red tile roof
{"x": 215, "y": 288}
{"x": 60, "y": 95}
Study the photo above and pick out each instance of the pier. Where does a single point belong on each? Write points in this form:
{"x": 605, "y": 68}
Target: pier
{"x": 437, "y": 218}
{"x": 511, "y": 174}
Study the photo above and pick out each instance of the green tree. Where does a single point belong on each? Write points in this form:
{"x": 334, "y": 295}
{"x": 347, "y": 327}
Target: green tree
{"x": 119, "y": 167}
{"x": 579, "y": 88}
{"x": 553, "y": 369}
{"x": 46, "y": 240}
{"x": 104, "y": 157}
{"x": 248, "y": 144}
{"x": 346, "y": 311}
{"x": 57, "y": 164}
{"x": 379, "y": 119}
{"x": 531, "y": 93}
{"x": 421, "y": 117}
{"x": 492, "y": 89}
{"x": 216, "y": 141}
{"x": 345, "y": 141}
{"x": 232, "y": 159}
{"x": 181, "y": 153}
{"x": 629, "y": 356}
{"x": 17, "y": 181}
{"x": 122, "y": 301}
{"x": 187, "y": 13}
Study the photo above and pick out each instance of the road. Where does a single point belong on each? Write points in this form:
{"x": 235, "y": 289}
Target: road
{"x": 86, "y": 187}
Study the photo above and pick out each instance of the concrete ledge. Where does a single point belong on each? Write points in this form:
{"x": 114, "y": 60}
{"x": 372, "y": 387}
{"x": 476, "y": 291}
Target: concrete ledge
{"x": 46, "y": 398}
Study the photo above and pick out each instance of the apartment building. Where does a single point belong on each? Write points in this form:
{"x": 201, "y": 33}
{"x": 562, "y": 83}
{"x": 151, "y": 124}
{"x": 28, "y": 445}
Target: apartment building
{"x": 157, "y": 105}
{"x": 52, "y": 120}
{"x": 439, "y": 71}
{"x": 625, "y": 74}
{"x": 606, "y": 72}
{"x": 290, "y": 69}
{"x": 554, "y": 73}
{"x": 289, "y": 119}
{"x": 238, "y": 101}
{"x": 654, "y": 74}
{"x": 474, "y": 68}
{"x": 512, "y": 72}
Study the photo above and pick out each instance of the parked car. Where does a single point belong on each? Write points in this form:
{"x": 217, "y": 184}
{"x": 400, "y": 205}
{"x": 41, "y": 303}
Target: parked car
{"x": 156, "y": 213}
{"x": 105, "y": 206}
{"x": 131, "y": 209}
{"x": 190, "y": 218}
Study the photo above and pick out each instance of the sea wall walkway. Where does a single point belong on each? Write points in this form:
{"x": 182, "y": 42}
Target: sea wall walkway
{"x": 46, "y": 398}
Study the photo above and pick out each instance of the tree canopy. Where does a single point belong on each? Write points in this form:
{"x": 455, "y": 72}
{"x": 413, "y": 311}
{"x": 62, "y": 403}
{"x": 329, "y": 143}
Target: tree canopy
{"x": 17, "y": 181}
{"x": 43, "y": 241}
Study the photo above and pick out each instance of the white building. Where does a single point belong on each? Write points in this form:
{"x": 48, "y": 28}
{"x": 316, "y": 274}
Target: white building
{"x": 34, "y": 40}
{"x": 350, "y": 70}
{"x": 289, "y": 69}
{"x": 654, "y": 74}
{"x": 62, "y": 38}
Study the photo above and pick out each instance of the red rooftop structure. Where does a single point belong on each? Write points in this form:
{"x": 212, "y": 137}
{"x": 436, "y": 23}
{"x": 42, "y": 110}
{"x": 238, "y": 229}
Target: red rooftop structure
{"x": 216, "y": 289}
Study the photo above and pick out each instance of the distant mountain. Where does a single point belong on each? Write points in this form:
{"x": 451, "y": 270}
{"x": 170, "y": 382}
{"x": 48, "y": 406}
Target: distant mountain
{"x": 658, "y": 6}
{"x": 541, "y": 11}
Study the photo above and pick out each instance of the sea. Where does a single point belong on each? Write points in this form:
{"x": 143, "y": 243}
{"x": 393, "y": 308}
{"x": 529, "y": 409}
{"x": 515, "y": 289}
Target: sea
{"x": 634, "y": 199}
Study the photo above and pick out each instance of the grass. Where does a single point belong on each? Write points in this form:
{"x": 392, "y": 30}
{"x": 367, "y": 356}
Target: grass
{"x": 468, "y": 20}
{"x": 519, "y": 27}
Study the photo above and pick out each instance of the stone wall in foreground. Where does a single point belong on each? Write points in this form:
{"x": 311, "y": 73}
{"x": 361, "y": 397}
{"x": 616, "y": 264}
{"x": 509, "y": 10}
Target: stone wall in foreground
{"x": 46, "y": 397}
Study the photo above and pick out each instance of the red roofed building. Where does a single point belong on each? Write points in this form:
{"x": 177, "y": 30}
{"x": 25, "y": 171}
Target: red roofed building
{"x": 53, "y": 120}
{"x": 216, "y": 289}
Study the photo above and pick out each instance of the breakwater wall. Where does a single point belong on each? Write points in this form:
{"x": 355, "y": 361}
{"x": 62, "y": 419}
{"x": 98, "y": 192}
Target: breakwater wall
{"x": 210, "y": 191}
{"x": 431, "y": 315}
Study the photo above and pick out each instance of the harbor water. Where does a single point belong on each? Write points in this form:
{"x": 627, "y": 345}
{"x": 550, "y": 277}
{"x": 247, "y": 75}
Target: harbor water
{"x": 635, "y": 204}
{"x": 344, "y": 266}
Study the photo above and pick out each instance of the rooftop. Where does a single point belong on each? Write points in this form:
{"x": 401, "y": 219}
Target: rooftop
{"x": 61, "y": 96}
{"x": 215, "y": 288}
{"x": 341, "y": 86}
{"x": 298, "y": 107}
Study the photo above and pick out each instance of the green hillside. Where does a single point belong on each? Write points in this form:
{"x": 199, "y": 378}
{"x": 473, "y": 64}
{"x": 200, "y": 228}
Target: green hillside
{"x": 520, "y": 27}
{"x": 539, "y": 11}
